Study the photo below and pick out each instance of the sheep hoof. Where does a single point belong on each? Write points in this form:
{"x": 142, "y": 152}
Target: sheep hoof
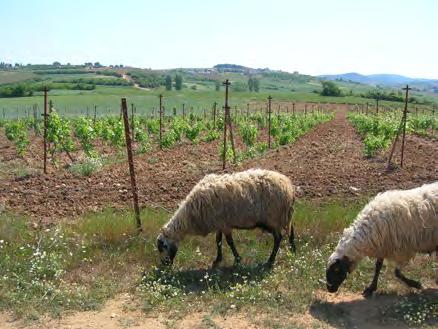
{"x": 368, "y": 292}
{"x": 216, "y": 263}
{"x": 269, "y": 264}
{"x": 414, "y": 284}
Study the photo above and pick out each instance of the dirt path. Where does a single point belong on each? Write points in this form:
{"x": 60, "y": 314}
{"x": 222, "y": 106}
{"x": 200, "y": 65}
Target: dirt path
{"x": 341, "y": 310}
{"x": 136, "y": 85}
{"x": 121, "y": 312}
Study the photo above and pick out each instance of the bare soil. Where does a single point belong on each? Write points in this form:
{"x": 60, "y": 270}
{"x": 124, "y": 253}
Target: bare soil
{"x": 327, "y": 163}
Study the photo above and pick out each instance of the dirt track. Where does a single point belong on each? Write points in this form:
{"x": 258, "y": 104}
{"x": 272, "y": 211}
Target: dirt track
{"x": 327, "y": 162}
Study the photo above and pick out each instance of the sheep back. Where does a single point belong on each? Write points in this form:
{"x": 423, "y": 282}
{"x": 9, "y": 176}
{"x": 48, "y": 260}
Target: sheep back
{"x": 243, "y": 200}
{"x": 395, "y": 225}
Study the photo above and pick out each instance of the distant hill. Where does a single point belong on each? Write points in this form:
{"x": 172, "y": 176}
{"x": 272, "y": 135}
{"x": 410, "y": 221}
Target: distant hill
{"x": 391, "y": 80}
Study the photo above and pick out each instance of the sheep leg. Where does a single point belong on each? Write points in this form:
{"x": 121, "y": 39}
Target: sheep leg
{"x": 373, "y": 286}
{"x": 277, "y": 241}
{"x": 219, "y": 249}
{"x": 408, "y": 282}
{"x": 292, "y": 239}
{"x": 230, "y": 242}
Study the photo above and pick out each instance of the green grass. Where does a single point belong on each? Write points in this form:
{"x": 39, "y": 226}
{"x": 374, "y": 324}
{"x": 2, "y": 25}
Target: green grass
{"x": 15, "y": 76}
{"x": 79, "y": 265}
{"x": 108, "y": 99}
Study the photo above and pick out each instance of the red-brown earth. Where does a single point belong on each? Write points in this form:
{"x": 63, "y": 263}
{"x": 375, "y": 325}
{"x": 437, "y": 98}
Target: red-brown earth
{"x": 328, "y": 162}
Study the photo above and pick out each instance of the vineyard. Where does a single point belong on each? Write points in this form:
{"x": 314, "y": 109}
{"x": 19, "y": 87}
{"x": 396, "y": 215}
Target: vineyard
{"x": 378, "y": 131}
{"x": 80, "y": 138}
{"x": 78, "y": 248}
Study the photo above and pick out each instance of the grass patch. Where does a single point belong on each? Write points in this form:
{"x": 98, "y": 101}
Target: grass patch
{"x": 80, "y": 265}
{"x": 86, "y": 167}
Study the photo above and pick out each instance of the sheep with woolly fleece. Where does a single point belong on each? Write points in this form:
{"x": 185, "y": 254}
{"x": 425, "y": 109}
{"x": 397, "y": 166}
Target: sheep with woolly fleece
{"x": 395, "y": 225}
{"x": 249, "y": 199}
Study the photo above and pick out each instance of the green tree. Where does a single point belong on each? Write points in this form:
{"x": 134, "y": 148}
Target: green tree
{"x": 178, "y": 82}
{"x": 168, "y": 82}
{"x": 256, "y": 85}
{"x": 250, "y": 84}
{"x": 329, "y": 88}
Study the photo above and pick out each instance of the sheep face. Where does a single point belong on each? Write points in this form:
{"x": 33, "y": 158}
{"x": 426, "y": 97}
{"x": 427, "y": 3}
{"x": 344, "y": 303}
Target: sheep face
{"x": 167, "y": 249}
{"x": 337, "y": 272}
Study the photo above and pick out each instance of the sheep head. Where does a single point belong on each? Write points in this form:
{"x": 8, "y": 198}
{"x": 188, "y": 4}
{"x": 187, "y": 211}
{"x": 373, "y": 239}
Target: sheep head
{"x": 336, "y": 273}
{"x": 167, "y": 249}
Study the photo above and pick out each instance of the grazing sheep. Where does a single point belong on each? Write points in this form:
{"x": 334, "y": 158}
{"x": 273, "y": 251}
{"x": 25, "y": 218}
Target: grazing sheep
{"x": 221, "y": 203}
{"x": 394, "y": 225}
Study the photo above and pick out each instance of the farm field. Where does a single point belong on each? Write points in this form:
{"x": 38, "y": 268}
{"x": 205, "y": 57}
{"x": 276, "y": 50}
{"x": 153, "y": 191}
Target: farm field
{"x": 94, "y": 260}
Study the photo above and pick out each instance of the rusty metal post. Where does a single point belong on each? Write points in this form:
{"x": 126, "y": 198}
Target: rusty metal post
{"x": 131, "y": 165}
{"x": 45, "y": 129}
{"x": 161, "y": 121}
{"x": 405, "y": 116}
{"x": 269, "y": 121}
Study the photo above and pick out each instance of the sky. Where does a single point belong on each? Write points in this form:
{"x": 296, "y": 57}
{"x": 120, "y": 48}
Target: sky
{"x": 311, "y": 37}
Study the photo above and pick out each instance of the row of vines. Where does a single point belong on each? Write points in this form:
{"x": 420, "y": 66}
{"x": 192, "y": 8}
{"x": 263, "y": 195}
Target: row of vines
{"x": 378, "y": 131}
{"x": 69, "y": 135}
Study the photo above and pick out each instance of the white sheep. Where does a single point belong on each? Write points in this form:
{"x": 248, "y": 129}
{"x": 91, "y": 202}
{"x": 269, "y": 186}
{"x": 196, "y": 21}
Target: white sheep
{"x": 394, "y": 225}
{"x": 221, "y": 203}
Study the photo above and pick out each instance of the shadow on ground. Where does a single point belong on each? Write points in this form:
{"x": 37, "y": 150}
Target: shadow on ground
{"x": 380, "y": 311}
{"x": 198, "y": 280}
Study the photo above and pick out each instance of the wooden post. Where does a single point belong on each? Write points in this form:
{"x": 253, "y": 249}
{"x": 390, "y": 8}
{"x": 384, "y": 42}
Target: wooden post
{"x": 131, "y": 165}
{"x": 377, "y": 105}
{"x": 405, "y": 116}
{"x": 293, "y": 108}
{"x": 45, "y": 130}
{"x": 132, "y": 123}
{"x": 247, "y": 110}
{"x": 269, "y": 121}
{"x": 366, "y": 112}
{"x": 184, "y": 112}
{"x": 305, "y": 109}
{"x": 402, "y": 126}
{"x": 35, "y": 118}
{"x": 95, "y": 114}
{"x": 228, "y": 122}
{"x": 214, "y": 115}
{"x": 161, "y": 120}
{"x": 224, "y": 152}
